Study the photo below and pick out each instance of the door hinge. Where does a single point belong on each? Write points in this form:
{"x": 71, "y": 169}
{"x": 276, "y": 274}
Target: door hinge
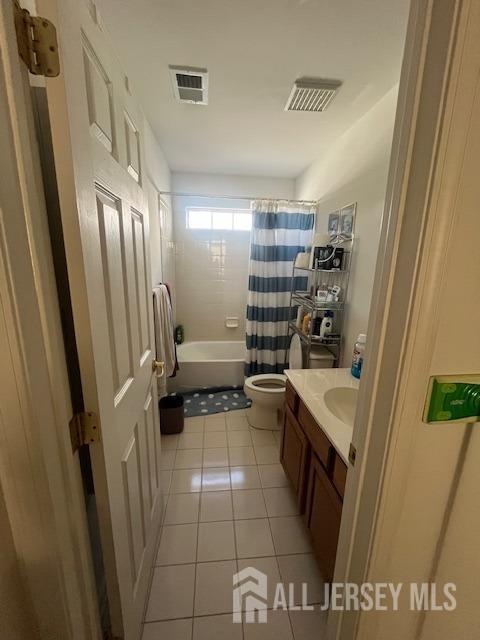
{"x": 84, "y": 429}
{"x": 37, "y": 43}
{"x": 352, "y": 455}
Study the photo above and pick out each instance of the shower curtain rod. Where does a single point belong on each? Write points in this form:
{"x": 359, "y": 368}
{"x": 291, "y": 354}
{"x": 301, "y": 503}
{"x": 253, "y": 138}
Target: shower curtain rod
{"x": 179, "y": 194}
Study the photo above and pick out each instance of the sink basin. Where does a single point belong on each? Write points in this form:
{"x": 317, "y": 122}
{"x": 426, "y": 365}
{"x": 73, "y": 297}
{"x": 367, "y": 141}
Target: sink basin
{"x": 342, "y": 402}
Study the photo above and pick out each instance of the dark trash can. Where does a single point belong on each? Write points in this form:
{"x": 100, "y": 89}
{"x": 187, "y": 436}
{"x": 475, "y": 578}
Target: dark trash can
{"x": 171, "y": 414}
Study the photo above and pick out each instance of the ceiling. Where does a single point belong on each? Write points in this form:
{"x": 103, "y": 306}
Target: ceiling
{"x": 254, "y": 50}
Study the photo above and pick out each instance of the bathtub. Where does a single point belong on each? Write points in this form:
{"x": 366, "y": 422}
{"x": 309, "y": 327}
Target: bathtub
{"x": 209, "y": 364}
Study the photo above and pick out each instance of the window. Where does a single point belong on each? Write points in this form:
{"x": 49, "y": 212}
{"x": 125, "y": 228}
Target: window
{"x": 219, "y": 219}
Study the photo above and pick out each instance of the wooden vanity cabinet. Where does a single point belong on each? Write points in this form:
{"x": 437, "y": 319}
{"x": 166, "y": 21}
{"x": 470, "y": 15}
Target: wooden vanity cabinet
{"x": 294, "y": 455}
{"x": 339, "y": 475}
{"x": 291, "y": 398}
{"x": 323, "y": 514}
{"x": 318, "y": 475}
{"x": 319, "y": 441}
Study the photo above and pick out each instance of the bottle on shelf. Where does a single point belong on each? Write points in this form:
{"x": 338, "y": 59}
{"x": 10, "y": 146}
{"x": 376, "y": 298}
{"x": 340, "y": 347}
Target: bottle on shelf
{"x": 322, "y": 293}
{"x": 300, "y": 316}
{"x": 326, "y": 327}
{"x": 358, "y": 351}
{"x": 306, "y": 323}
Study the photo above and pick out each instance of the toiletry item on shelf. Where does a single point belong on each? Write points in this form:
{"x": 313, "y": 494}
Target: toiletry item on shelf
{"x": 322, "y": 293}
{"x": 300, "y": 316}
{"x": 317, "y": 321}
{"x": 323, "y": 257}
{"x": 179, "y": 334}
{"x": 327, "y": 324}
{"x": 333, "y": 293}
{"x": 319, "y": 240}
{"x": 302, "y": 260}
{"x": 306, "y": 323}
{"x": 337, "y": 259}
{"x": 358, "y": 351}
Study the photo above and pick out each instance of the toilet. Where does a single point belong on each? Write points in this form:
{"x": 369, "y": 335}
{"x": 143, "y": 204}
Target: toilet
{"x": 267, "y": 393}
{"x": 267, "y": 390}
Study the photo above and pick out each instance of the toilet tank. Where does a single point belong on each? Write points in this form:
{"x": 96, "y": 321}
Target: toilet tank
{"x": 321, "y": 358}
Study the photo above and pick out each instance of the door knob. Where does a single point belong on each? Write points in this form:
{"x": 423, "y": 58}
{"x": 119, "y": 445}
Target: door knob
{"x": 158, "y": 368}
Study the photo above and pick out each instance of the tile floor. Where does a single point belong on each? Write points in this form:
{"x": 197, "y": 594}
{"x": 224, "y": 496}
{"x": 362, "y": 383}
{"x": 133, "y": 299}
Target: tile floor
{"x": 228, "y": 505}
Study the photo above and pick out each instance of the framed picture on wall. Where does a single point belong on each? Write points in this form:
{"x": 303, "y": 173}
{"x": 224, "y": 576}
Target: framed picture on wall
{"x": 333, "y": 224}
{"x": 347, "y": 220}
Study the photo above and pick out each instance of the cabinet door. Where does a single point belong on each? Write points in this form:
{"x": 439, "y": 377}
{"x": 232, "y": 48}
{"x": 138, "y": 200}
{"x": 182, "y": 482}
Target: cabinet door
{"x": 323, "y": 515}
{"x": 294, "y": 454}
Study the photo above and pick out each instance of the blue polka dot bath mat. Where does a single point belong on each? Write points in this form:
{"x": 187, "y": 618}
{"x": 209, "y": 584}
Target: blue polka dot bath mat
{"x": 204, "y": 402}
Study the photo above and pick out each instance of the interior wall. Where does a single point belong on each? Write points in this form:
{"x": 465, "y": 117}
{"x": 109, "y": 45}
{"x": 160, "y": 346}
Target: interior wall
{"x": 231, "y": 185}
{"x": 212, "y": 266}
{"x": 158, "y": 178}
{"x": 355, "y": 170}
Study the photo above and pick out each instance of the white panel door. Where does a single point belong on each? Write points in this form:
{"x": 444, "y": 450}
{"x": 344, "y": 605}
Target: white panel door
{"x": 97, "y": 140}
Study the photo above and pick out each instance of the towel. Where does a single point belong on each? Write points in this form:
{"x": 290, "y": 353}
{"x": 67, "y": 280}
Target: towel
{"x": 165, "y": 345}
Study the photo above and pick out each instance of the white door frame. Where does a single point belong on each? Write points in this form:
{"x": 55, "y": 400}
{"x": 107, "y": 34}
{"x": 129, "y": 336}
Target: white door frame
{"x": 40, "y": 476}
{"x": 431, "y": 134}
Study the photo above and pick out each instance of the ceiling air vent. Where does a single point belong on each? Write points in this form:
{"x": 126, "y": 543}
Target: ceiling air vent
{"x": 190, "y": 84}
{"x": 312, "y": 94}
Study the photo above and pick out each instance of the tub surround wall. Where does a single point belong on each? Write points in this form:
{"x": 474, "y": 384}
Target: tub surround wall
{"x": 355, "y": 169}
{"x": 211, "y": 275}
{"x": 212, "y": 265}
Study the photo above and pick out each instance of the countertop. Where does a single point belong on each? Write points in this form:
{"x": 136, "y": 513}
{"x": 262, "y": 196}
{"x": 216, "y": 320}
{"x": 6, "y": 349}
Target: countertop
{"x": 311, "y": 384}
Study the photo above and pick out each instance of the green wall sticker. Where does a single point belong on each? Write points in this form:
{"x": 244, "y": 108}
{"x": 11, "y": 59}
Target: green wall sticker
{"x": 453, "y": 399}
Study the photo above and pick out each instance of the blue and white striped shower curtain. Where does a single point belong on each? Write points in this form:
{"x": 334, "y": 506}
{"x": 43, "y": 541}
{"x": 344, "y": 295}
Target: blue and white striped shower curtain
{"x": 280, "y": 230}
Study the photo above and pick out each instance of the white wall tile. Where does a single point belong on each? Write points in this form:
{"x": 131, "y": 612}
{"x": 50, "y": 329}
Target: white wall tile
{"x": 211, "y": 267}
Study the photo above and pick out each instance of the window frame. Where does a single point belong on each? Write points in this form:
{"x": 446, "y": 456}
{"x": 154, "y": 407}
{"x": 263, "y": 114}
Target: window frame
{"x": 233, "y": 211}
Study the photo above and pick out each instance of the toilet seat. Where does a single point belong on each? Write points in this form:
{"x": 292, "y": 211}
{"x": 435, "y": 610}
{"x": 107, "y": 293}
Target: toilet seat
{"x": 268, "y": 383}
{"x": 295, "y": 354}
{"x": 267, "y": 393}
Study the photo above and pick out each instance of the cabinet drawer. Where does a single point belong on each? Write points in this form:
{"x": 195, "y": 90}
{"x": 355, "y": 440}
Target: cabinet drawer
{"x": 339, "y": 475}
{"x": 291, "y": 397}
{"x": 294, "y": 455}
{"x": 319, "y": 441}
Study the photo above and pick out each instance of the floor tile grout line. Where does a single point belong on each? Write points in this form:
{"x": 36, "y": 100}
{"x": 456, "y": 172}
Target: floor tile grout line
{"x": 263, "y": 488}
{"x": 206, "y": 615}
{"x": 235, "y": 545}
{"x": 278, "y": 569}
{"x": 196, "y": 551}
{"x": 232, "y": 466}
{"x": 196, "y": 567}
{"x": 249, "y": 557}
